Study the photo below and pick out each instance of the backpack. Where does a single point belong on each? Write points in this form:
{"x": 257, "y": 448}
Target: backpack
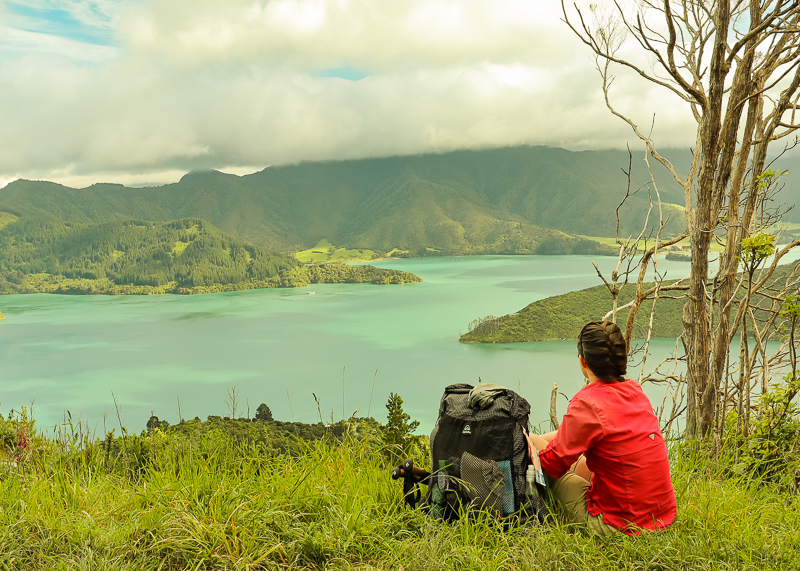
{"x": 480, "y": 456}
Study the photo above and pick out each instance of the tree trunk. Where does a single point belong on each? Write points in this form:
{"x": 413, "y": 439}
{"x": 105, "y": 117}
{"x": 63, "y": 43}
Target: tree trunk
{"x": 696, "y": 335}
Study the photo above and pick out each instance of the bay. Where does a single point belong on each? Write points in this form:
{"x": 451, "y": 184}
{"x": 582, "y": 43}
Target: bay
{"x": 158, "y": 353}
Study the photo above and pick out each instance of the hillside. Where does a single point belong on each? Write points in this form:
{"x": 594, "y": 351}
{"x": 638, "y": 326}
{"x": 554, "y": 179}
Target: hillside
{"x": 244, "y": 494}
{"x": 508, "y": 200}
{"x": 46, "y": 255}
{"x": 563, "y": 316}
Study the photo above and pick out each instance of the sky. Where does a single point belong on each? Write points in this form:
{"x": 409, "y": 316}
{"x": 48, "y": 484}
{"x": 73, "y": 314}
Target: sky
{"x": 141, "y": 91}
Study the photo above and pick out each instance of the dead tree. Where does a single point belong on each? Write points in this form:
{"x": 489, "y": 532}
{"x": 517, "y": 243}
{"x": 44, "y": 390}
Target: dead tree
{"x": 736, "y": 65}
{"x": 634, "y": 260}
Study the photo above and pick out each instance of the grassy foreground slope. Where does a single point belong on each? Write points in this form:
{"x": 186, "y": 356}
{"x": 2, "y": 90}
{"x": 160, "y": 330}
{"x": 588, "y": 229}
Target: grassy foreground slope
{"x": 46, "y": 255}
{"x": 210, "y": 500}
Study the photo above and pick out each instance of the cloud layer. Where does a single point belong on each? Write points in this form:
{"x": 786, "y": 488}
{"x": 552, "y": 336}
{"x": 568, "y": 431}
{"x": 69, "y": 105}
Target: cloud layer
{"x": 240, "y": 85}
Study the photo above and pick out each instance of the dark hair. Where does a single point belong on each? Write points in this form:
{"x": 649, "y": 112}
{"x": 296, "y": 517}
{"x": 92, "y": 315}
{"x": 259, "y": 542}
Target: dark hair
{"x": 603, "y": 347}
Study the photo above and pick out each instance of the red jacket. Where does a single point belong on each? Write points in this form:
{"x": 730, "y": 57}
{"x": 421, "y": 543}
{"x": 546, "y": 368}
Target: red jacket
{"x": 614, "y": 426}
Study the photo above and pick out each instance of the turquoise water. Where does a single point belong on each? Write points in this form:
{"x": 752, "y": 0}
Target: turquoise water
{"x": 73, "y": 352}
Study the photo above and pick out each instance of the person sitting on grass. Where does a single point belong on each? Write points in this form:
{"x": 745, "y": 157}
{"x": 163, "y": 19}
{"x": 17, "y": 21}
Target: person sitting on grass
{"x": 608, "y": 462}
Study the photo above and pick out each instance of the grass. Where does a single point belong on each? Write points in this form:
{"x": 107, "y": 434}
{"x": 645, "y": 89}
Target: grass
{"x": 179, "y": 247}
{"x": 345, "y": 255}
{"x": 203, "y": 501}
{"x": 7, "y": 218}
{"x": 324, "y": 251}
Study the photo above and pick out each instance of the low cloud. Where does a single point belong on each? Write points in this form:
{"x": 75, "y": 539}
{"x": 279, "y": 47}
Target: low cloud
{"x": 240, "y": 85}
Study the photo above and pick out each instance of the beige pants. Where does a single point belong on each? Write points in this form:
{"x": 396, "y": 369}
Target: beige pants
{"x": 570, "y": 492}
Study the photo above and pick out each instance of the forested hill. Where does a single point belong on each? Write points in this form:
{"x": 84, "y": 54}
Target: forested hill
{"x": 509, "y": 200}
{"x": 132, "y": 257}
{"x": 563, "y": 316}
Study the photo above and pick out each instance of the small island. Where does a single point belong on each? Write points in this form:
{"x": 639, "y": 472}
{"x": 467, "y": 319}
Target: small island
{"x": 678, "y": 257}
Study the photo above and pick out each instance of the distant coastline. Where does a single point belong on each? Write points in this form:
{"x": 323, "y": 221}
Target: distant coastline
{"x": 561, "y": 317}
{"x": 298, "y": 277}
{"x": 187, "y": 257}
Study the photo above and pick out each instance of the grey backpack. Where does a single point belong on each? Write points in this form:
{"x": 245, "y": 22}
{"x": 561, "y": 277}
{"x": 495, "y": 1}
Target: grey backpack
{"x": 480, "y": 456}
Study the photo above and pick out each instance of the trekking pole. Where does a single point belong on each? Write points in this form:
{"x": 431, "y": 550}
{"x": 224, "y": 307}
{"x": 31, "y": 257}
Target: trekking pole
{"x": 408, "y": 470}
{"x": 412, "y": 477}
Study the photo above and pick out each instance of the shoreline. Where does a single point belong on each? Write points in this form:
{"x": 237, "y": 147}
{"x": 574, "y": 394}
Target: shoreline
{"x": 297, "y": 278}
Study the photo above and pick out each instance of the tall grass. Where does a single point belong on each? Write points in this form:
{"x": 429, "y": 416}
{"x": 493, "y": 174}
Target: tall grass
{"x": 205, "y": 501}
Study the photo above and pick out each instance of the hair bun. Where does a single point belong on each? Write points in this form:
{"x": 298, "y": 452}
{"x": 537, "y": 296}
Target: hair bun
{"x": 604, "y": 349}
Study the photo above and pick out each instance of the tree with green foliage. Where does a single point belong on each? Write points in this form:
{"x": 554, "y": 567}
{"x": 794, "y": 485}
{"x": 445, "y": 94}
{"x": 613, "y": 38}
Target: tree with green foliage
{"x": 398, "y": 432}
{"x": 155, "y": 423}
{"x": 771, "y": 447}
{"x": 264, "y": 413}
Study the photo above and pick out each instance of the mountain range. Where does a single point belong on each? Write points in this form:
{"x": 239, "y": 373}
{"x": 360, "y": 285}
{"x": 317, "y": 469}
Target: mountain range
{"x": 506, "y": 200}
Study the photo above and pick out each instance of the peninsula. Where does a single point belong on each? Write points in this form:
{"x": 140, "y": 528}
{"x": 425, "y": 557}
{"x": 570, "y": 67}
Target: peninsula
{"x": 186, "y": 256}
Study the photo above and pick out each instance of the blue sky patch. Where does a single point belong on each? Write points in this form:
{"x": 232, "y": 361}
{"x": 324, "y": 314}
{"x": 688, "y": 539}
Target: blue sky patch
{"x": 57, "y": 23}
{"x": 345, "y": 72}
